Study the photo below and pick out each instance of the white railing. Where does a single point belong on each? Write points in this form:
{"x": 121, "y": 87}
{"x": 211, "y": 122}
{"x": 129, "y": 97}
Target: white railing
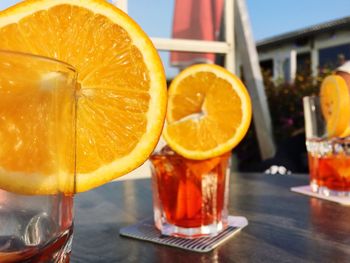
{"x": 219, "y": 47}
{"x": 121, "y": 4}
{"x": 200, "y": 46}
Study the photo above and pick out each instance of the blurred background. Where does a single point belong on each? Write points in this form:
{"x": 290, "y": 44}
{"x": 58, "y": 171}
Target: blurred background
{"x": 297, "y": 43}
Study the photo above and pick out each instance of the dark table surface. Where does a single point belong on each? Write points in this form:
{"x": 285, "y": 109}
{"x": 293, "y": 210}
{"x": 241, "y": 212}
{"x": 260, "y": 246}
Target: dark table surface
{"x": 283, "y": 226}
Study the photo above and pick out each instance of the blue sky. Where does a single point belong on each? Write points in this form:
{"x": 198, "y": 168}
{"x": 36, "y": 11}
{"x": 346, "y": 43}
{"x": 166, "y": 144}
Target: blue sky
{"x": 268, "y": 17}
{"x": 272, "y": 17}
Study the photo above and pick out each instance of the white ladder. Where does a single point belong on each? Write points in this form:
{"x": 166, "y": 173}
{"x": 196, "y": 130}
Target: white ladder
{"x": 236, "y": 20}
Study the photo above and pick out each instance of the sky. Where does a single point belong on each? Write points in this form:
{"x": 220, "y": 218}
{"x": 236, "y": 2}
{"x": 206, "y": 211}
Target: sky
{"x": 268, "y": 17}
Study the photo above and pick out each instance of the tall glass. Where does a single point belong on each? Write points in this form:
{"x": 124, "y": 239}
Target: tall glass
{"x": 37, "y": 158}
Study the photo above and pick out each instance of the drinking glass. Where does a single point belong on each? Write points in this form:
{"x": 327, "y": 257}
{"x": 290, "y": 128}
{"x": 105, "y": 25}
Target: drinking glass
{"x": 190, "y": 197}
{"x": 329, "y": 157}
{"x": 37, "y": 158}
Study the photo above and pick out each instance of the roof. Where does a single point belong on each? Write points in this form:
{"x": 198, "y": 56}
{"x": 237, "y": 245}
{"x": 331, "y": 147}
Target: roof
{"x": 300, "y": 34}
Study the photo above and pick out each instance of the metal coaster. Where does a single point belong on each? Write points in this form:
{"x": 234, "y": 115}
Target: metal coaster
{"x": 145, "y": 230}
{"x": 306, "y": 190}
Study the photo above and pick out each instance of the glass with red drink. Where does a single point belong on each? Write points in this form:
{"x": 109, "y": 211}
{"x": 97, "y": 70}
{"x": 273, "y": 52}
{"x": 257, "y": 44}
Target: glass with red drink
{"x": 190, "y": 196}
{"x": 37, "y": 135}
{"x": 328, "y": 156}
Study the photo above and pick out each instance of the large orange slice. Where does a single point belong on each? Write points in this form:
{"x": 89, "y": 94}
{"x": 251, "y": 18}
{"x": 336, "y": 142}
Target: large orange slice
{"x": 335, "y": 106}
{"x": 209, "y": 112}
{"x": 122, "y": 97}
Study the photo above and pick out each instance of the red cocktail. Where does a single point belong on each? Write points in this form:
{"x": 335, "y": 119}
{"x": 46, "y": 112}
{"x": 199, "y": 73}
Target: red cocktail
{"x": 190, "y": 196}
{"x": 329, "y": 164}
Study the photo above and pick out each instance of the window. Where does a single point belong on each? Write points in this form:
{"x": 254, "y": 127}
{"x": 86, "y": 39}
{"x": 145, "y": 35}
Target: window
{"x": 266, "y": 67}
{"x": 332, "y": 57}
{"x": 304, "y": 64}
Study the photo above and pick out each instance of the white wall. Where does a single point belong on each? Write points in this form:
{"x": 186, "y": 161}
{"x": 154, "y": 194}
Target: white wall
{"x": 285, "y": 51}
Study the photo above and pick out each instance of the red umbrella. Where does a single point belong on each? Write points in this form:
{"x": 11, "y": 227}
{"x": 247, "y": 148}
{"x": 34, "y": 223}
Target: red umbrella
{"x": 196, "y": 19}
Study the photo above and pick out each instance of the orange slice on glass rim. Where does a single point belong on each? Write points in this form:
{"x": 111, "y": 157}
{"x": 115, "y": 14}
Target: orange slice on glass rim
{"x": 209, "y": 112}
{"x": 335, "y": 106}
{"x": 122, "y": 101}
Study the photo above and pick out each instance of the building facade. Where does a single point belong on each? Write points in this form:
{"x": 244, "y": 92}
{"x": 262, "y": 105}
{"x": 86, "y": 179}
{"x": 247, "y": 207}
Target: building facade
{"x": 307, "y": 51}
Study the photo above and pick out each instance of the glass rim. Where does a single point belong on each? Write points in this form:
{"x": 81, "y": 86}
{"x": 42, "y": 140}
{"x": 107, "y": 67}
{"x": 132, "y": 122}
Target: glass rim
{"x": 158, "y": 153}
{"x": 38, "y": 57}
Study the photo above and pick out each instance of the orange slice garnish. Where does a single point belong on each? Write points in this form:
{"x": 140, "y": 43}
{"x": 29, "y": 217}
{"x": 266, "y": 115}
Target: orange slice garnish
{"x": 335, "y": 106}
{"x": 209, "y": 112}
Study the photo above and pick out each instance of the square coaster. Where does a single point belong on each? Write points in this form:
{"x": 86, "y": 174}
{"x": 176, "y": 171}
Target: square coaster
{"x": 145, "y": 230}
{"x": 306, "y": 190}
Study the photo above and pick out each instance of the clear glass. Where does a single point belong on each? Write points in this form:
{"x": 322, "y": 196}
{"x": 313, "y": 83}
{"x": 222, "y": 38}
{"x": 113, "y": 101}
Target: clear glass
{"x": 329, "y": 158}
{"x": 37, "y": 135}
{"x": 190, "y": 197}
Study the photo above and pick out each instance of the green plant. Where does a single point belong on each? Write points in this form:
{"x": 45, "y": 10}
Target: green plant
{"x": 286, "y": 110}
{"x": 286, "y": 105}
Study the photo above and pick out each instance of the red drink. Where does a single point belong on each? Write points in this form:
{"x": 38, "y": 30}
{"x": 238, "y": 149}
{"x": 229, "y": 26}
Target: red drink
{"x": 58, "y": 250}
{"x": 189, "y": 193}
{"x": 329, "y": 165}
{"x": 35, "y": 228}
